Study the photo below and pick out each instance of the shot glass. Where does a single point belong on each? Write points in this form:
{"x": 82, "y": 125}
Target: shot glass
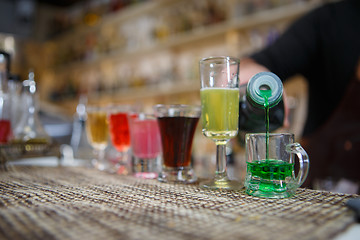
{"x": 177, "y": 124}
{"x": 120, "y": 137}
{"x": 145, "y": 145}
{"x": 270, "y": 165}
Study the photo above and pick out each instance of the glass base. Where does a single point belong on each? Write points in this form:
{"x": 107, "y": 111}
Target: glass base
{"x": 119, "y": 161}
{"x": 109, "y": 166}
{"x": 146, "y": 175}
{"x": 102, "y": 165}
{"x": 275, "y": 195}
{"x": 145, "y": 167}
{"x": 222, "y": 184}
{"x": 177, "y": 175}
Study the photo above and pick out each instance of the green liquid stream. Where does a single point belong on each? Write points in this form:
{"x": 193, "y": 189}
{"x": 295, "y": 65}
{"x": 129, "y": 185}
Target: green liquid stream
{"x": 266, "y": 94}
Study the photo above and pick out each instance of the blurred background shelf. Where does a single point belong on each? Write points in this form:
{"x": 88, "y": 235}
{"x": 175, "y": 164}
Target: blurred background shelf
{"x": 198, "y": 35}
{"x": 156, "y": 64}
{"x": 145, "y": 52}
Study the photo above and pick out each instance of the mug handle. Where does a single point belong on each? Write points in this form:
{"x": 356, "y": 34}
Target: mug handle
{"x": 297, "y": 149}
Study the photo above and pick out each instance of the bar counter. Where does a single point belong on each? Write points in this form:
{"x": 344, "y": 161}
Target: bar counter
{"x": 82, "y": 203}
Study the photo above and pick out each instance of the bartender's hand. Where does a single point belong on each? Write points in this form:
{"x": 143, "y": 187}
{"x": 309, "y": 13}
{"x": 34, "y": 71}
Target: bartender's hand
{"x": 248, "y": 68}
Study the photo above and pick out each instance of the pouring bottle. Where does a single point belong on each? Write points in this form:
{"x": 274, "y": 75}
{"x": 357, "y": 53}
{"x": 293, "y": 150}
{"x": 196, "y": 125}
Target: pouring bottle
{"x": 252, "y": 103}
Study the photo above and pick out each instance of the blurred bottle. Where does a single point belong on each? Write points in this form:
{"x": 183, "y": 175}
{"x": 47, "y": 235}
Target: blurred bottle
{"x": 252, "y": 109}
{"x": 15, "y": 88}
{"x": 29, "y": 128}
{"x": 79, "y": 142}
{"x": 5, "y": 103}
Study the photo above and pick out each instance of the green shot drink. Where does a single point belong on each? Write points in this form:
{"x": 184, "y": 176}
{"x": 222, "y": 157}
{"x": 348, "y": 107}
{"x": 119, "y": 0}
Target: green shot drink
{"x": 220, "y": 111}
{"x": 274, "y": 177}
{"x": 269, "y": 175}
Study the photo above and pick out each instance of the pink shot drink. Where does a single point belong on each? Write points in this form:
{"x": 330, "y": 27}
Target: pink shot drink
{"x": 146, "y": 138}
{"x": 146, "y": 145}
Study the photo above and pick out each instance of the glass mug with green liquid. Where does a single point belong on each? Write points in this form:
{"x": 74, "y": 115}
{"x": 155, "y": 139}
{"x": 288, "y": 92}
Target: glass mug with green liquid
{"x": 270, "y": 165}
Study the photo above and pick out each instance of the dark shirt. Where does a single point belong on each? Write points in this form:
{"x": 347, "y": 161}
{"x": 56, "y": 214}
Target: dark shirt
{"x": 324, "y": 47}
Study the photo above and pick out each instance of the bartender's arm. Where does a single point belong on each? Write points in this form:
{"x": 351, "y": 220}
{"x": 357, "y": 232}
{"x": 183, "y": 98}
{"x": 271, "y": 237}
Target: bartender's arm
{"x": 248, "y": 68}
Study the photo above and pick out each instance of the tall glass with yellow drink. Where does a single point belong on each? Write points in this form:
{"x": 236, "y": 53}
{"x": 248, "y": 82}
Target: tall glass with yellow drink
{"x": 220, "y": 111}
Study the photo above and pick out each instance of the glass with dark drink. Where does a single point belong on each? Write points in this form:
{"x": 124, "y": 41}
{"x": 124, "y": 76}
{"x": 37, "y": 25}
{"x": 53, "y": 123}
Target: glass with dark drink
{"x": 177, "y": 124}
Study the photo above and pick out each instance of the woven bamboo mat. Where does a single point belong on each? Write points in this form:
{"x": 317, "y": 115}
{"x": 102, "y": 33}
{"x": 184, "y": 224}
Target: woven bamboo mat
{"x": 79, "y": 203}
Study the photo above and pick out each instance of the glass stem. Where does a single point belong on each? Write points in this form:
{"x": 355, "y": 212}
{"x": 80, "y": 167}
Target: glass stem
{"x": 101, "y": 160}
{"x": 101, "y": 154}
{"x": 220, "y": 161}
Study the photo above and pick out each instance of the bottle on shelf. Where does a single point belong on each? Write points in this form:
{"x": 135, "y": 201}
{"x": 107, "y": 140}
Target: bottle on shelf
{"x": 15, "y": 88}
{"x": 81, "y": 147}
{"x": 29, "y": 129}
{"x": 252, "y": 109}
